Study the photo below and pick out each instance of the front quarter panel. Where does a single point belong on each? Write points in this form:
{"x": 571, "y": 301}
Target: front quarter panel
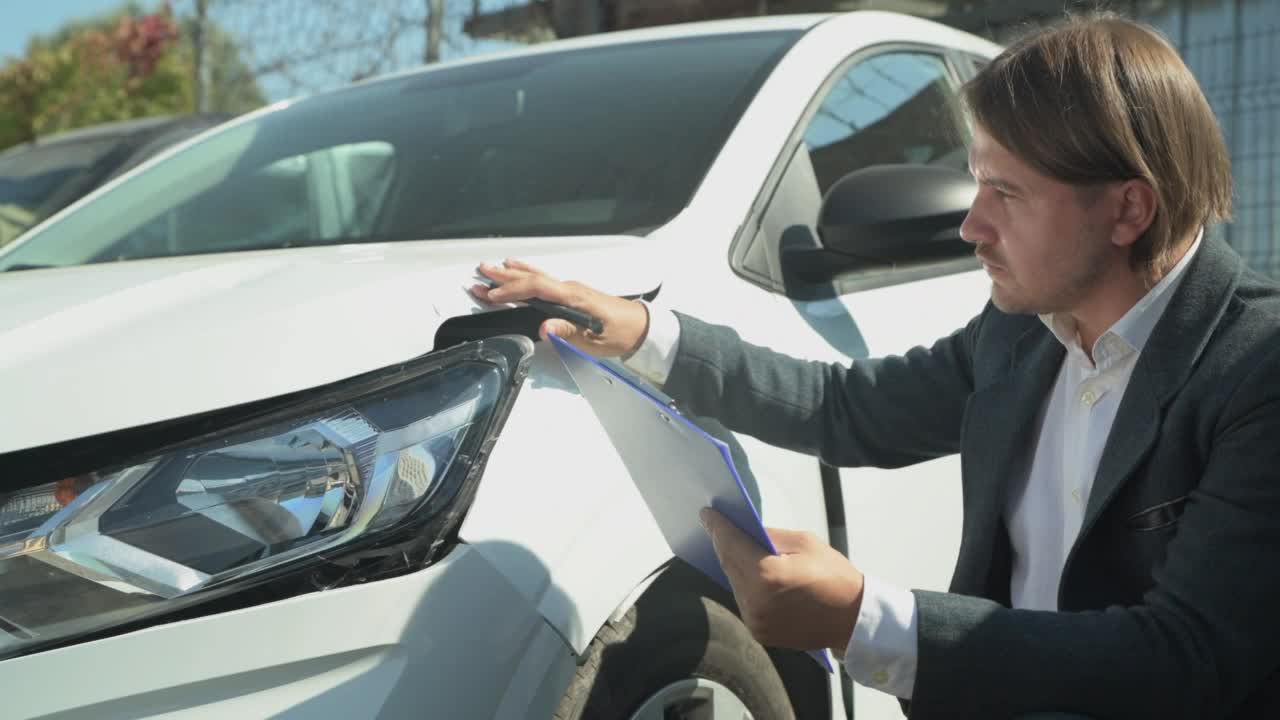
{"x": 556, "y": 511}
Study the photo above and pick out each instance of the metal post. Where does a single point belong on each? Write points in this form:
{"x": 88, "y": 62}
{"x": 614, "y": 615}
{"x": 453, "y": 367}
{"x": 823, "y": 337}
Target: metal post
{"x": 435, "y": 30}
{"x": 1267, "y": 230}
{"x": 200, "y": 65}
{"x": 590, "y": 18}
{"x": 1237, "y": 58}
{"x": 1184, "y": 31}
{"x": 838, "y": 534}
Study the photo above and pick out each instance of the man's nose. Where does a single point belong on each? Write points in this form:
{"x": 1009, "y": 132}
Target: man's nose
{"x": 974, "y": 229}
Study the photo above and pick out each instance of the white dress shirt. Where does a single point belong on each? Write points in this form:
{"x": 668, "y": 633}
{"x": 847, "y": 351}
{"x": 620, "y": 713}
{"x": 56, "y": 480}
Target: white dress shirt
{"x": 1045, "y": 510}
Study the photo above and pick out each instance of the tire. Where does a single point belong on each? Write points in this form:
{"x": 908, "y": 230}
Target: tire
{"x": 672, "y": 641}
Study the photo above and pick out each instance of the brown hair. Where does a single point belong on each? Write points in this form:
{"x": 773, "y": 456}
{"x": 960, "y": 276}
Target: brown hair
{"x": 1097, "y": 98}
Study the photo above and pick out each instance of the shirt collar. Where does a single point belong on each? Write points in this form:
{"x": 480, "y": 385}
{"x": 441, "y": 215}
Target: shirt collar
{"x": 1131, "y": 332}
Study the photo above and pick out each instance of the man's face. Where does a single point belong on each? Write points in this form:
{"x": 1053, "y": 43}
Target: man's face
{"x": 1045, "y": 244}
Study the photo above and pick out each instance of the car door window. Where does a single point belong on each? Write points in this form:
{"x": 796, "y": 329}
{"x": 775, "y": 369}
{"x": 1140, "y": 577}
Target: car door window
{"x": 895, "y": 107}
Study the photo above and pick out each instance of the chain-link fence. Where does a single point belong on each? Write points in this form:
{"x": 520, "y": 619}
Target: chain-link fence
{"x": 1240, "y": 76}
{"x": 293, "y": 47}
{"x": 1230, "y": 46}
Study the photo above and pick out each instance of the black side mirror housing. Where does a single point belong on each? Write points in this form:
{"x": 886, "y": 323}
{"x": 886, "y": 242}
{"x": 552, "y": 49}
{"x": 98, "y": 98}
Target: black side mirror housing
{"x": 888, "y": 215}
{"x": 886, "y": 210}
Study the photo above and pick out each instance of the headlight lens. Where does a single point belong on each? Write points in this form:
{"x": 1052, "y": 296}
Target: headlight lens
{"x": 100, "y": 548}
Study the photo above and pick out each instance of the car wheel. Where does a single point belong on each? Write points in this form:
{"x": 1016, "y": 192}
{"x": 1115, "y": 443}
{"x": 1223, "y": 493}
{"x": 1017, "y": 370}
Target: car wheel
{"x": 683, "y": 656}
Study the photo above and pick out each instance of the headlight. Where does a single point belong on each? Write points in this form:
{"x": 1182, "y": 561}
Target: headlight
{"x": 391, "y": 457}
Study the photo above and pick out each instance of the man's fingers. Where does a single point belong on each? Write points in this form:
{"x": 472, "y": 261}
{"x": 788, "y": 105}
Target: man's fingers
{"x": 525, "y": 287}
{"x": 511, "y": 271}
{"x": 503, "y": 275}
{"x": 517, "y": 285}
{"x": 521, "y": 265}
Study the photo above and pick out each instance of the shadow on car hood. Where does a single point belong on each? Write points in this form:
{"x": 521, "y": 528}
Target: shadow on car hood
{"x": 92, "y": 349}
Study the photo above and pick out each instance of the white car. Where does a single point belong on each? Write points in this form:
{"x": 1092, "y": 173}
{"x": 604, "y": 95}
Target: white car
{"x": 264, "y": 456}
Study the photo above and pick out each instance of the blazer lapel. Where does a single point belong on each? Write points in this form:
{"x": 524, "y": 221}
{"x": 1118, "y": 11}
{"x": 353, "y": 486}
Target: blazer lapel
{"x": 1000, "y": 432}
{"x": 1166, "y": 361}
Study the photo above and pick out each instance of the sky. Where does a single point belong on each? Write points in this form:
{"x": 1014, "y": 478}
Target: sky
{"x": 39, "y": 17}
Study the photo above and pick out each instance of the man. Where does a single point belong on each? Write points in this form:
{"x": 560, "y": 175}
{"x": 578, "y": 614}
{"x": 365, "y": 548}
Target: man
{"x": 1116, "y": 407}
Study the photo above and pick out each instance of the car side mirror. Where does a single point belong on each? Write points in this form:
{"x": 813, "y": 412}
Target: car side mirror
{"x": 889, "y": 214}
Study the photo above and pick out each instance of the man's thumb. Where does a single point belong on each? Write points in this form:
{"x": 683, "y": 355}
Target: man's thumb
{"x": 787, "y": 542}
{"x": 563, "y": 328}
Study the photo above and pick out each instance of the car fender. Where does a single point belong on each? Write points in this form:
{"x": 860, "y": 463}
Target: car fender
{"x": 556, "y": 511}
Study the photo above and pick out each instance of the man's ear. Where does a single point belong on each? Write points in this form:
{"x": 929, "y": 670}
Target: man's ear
{"x": 1135, "y": 209}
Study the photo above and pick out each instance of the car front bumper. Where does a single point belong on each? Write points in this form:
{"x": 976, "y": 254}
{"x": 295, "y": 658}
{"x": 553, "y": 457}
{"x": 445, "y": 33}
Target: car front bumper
{"x": 454, "y": 640}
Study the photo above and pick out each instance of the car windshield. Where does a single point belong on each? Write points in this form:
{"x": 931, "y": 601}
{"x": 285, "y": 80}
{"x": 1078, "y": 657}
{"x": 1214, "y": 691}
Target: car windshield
{"x": 32, "y": 175}
{"x": 610, "y": 139}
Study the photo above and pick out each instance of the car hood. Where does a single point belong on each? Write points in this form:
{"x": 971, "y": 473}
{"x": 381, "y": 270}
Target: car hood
{"x": 92, "y": 349}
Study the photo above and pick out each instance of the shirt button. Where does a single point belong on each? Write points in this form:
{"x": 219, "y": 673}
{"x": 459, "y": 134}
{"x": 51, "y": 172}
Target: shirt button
{"x": 879, "y": 677}
{"x": 1087, "y": 398}
{"x": 1075, "y": 495}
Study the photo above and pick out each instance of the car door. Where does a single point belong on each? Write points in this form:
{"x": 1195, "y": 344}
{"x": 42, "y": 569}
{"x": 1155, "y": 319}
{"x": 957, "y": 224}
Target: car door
{"x": 894, "y": 103}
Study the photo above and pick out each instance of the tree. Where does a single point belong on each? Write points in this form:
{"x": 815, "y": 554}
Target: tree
{"x": 435, "y": 30}
{"x": 123, "y": 65}
{"x": 112, "y": 71}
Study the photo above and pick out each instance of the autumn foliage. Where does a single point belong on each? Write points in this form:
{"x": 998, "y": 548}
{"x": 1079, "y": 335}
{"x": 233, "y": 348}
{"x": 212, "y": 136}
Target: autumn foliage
{"x": 127, "y": 68}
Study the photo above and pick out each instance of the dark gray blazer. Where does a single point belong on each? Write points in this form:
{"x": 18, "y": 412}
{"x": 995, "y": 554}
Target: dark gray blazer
{"x": 1170, "y": 598}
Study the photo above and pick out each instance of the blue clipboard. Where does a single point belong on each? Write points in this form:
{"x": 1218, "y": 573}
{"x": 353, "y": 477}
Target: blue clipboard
{"x": 677, "y": 467}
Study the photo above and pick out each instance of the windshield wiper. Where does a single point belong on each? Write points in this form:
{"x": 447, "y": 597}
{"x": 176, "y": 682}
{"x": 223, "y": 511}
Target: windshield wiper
{"x": 28, "y": 266}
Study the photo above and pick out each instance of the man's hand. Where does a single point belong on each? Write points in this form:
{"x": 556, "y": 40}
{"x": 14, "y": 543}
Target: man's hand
{"x": 805, "y": 598}
{"x": 626, "y": 323}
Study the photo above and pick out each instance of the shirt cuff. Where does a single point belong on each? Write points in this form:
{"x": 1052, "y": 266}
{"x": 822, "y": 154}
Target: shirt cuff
{"x": 657, "y": 353}
{"x": 882, "y": 653}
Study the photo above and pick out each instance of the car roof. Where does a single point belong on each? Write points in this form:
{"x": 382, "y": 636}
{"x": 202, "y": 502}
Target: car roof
{"x": 105, "y": 130}
{"x": 122, "y": 128}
